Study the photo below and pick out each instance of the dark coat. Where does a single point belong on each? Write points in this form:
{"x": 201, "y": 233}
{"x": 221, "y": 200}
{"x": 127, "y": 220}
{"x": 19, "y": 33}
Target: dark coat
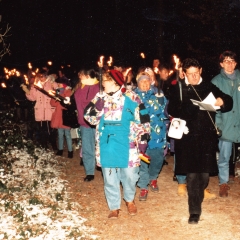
{"x": 195, "y": 152}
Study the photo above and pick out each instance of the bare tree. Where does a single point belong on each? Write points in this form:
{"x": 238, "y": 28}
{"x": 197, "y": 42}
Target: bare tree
{"x": 4, "y": 47}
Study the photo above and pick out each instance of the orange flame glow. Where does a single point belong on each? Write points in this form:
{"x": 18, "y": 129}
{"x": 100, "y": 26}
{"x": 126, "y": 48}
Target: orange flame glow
{"x": 109, "y": 62}
{"x": 3, "y": 85}
{"x": 142, "y": 55}
{"x": 177, "y": 61}
{"x": 100, "y": 63}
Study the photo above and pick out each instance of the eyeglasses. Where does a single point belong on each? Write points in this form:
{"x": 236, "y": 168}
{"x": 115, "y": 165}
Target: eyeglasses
{"x": 229, "y": 61}
{"x": 193, "y": 74}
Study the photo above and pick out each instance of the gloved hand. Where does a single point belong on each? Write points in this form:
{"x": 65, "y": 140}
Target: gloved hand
{"x": 99, "y": 104}
{"x": 160, "y": 98}
{"x": 25, "y": 88}
{"x": 142, "y": 147}
{"x": 67, "y": 100}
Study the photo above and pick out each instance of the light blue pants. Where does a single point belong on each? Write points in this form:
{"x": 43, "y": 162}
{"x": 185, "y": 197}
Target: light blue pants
{"x": 150, "y": 171}
{"x": 225, "y": 151}
{"x": 88, "y": 149}
{"x": 61, "y": 133}
{"x": 112, "y": 178}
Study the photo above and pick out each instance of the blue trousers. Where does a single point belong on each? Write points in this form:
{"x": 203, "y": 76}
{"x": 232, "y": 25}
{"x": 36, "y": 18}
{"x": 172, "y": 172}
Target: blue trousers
{"x": 225, "y": 151}
{"x": 150, "y": 171}
{"x": 88, "y": 149}
{"x": 112, "y": 178}
{"x": 61, "y": 133}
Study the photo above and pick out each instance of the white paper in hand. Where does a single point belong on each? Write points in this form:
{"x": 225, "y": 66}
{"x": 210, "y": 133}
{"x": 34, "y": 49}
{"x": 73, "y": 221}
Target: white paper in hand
{"x": 207, "y": 104}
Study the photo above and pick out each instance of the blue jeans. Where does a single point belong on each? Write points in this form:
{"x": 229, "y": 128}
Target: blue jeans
{"x": 112, "y": 178}
{"x": 150, "y": 171}
{"x": 88, "y": 149}
{"x": 225, "y": 151}
{"x": 61, "y": 133}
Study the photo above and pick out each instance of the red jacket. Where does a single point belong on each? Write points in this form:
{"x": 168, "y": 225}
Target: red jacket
{"x": 57, "y": 120}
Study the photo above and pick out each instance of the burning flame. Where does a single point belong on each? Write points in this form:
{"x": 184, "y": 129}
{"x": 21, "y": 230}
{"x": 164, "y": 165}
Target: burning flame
{"x": 170, "y": 72}
{"x": 38, "y": 84}
{"x": 100, "y": 63}
{"x": 142, "y": 55}
{"x": 177, "y": 61}
{"x": 127, "y": 71}
{"x": 156, "y": 70}
{"x": 3, "y": 85}
{"x": 110, "y": 61}
{"x": 29, "y": 65}
{"x": 49, "y": 63}
{"x": 52, "y": 92}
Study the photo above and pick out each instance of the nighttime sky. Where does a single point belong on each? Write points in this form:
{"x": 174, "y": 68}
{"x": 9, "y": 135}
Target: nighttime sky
{"x": 78, "y": 31}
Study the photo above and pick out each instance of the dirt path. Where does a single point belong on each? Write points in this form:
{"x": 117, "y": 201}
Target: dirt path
{"x": 163, "y": 216}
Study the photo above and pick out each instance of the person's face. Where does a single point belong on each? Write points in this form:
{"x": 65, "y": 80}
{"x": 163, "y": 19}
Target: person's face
{"x": 194, "y": 75}
{"x": 156, "y": 63}
{"x": 164, "y": 74}
{"x": 228, "y": 65}
{"x": 83, "y": 77}
{"x": 144, "y": 85}
{"x": 42, "y": 78}
{"x": 108, "y": 84}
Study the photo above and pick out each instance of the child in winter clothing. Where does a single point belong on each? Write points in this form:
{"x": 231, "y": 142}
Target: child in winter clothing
{"x": 155, "y": 105}
{"x": 57, "y": 119}
{"x": 118, "y": 129}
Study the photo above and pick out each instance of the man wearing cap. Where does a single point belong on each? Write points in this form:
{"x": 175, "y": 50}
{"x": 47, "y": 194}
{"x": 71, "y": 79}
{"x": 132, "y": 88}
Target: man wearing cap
{"x": 118, "y": 132}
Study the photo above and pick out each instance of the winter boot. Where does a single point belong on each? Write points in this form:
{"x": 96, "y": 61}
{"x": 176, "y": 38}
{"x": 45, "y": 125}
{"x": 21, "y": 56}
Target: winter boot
{"x": 208, "y": 195}
{"x": 59, "y": 153}
{"x": 182, "y": 190}
{"x": 70, "y": 154}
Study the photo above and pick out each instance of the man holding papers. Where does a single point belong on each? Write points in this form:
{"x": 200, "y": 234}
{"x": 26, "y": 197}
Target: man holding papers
{"x": 195, "y": 152}
{"x": 229, "y": 82}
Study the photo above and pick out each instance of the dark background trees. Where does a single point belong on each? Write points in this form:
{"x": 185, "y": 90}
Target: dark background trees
{"x": 77, "y": 32}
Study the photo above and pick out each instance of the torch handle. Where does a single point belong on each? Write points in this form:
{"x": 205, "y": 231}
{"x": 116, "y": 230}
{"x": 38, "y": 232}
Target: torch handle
{"x": 100, "y": 80}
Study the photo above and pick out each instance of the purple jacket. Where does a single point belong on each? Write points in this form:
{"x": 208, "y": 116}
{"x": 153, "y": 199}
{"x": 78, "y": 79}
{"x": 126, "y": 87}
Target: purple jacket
{"x": 83, "y": 97}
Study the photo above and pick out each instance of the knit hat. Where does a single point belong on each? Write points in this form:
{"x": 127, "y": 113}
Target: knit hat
{"x": 141, "y": 77}
{"x": 117, "y": 77}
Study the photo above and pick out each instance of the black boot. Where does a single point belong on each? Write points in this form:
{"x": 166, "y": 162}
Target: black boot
{"x": 59, "y": 153}
{"x": 70, "y": 154}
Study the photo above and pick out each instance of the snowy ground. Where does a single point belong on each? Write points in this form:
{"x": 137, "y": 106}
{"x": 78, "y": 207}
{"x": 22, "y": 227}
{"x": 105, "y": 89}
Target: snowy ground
{"x": 34, "y": 202}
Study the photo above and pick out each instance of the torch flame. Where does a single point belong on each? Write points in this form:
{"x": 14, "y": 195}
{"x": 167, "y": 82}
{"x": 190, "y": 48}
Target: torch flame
{"x": 142, "y": 55}
{"x": 49, "y": 63}
{"x": 52, "y": 92}
{"x": 170, "y": 72}
{"x": 110, "y": 61}
{"x": 3, "y": 85}
{"x": 100, "y": 63}
{"x": 29, "y": 65}
{"x": 156, "y": 70}
{"x": 177, "y": 61}
{"x": 128, "y": 70}
{"x": 38, "y": 84}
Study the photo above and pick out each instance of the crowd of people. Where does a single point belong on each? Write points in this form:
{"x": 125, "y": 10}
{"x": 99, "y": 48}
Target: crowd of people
{"x": 121, "y": 117}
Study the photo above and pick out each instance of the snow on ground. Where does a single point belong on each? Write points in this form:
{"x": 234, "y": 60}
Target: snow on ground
{"x": 34, "y": 203}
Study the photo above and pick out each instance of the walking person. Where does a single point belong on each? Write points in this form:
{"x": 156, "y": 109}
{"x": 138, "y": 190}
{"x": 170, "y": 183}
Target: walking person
{"x": 227, "y": 81}
{"x": 119, "y": 131}
{"x": 195, "y": 152}
{"x": 89, "y": 87}
{"x": 155, "y": 105}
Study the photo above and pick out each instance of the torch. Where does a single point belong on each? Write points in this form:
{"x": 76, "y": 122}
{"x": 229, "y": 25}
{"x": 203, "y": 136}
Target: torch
{"x": 177, "y": 61}
{"x": 100, "y": 64}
